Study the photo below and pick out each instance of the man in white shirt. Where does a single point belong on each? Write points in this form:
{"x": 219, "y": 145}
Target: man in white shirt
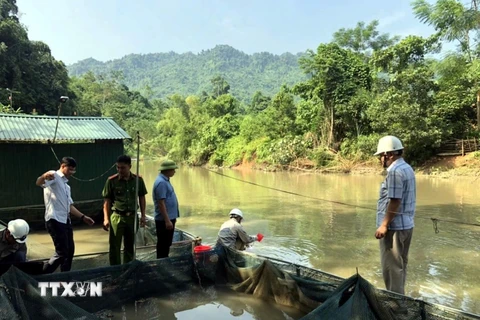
{"x": 58, "y": 207}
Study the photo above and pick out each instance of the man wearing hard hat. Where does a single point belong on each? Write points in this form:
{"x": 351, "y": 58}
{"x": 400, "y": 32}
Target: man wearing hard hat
{"x": 12, "y": 242}
{"x": 395, "y": 213}
{"x": 232, "y": 234}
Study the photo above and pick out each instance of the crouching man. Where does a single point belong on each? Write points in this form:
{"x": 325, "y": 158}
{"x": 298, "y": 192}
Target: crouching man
{"x": 12, "y": 242}
{"x": 232, "y": 234}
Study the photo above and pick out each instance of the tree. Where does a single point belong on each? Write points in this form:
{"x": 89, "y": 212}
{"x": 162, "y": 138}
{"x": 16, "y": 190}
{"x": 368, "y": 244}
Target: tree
{"x": 221, "y": 106}
{"x": 8, "y": 10}
{"x": 220, "y": 86}
{"x": 281, "y": 115}
{"x": 28, "y": 67}
{"x": 364, "y": 38}
{"x": 407, "y": 105}
{"x": 410, "y": 51}
{"x": 259, "y": 103}
{"x": 452, "y": 21}
{"x": 335, "y": 75}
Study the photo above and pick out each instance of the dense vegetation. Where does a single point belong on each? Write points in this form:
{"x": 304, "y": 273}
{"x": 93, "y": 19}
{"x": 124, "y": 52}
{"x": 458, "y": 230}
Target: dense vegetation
{"x": 361, "y": 85}
{"x": 160, "y": 75}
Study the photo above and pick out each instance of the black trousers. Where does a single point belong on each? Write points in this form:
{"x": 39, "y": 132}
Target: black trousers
{"x": 62, "y": 236}
{"x": 164, "y": 238}
{"x": 18, "y": 256}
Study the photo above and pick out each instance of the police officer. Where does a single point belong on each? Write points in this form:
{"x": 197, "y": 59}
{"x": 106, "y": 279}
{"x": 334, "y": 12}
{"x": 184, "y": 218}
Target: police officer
{"x": 118, "y": 209}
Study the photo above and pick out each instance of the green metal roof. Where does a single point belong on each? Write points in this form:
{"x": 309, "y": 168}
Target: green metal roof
{"x": 20, "y": 127}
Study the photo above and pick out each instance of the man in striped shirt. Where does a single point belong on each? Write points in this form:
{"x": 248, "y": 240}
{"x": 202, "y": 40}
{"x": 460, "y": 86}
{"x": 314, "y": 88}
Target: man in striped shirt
{"x": 395, "y": 213}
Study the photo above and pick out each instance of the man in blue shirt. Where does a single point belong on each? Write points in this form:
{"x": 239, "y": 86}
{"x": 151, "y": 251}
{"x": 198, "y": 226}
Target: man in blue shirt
{"x": 395, "y": 213}
{"x": 166, "y": 208}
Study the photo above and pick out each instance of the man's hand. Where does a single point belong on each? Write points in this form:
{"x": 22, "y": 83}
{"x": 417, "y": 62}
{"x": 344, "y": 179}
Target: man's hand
{"x": 143, "y": 222}
{"x": 49, "y": 176}
{"x": 88, "y": 220}
{"x": 168, "y": 225}
{"x": 381, "y": 232}
{"x": 106, "y": 224}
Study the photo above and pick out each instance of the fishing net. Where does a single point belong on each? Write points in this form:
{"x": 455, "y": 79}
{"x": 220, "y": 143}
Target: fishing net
{"x": 20, "y": 295}
{"x": 317, "y": 294}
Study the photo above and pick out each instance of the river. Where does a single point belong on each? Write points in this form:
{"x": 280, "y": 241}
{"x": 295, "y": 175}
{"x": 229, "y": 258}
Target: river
{"x": 327, "y": 222}
{"x": 310, "y": 226}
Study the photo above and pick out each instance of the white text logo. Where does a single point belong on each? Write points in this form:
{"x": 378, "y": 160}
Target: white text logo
{"x": 71, "y": 289}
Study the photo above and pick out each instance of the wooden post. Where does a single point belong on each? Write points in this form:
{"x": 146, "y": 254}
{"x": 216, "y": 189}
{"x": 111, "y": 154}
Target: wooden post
{"x": 463, "y": 149}
{"x": 478, "y": 110}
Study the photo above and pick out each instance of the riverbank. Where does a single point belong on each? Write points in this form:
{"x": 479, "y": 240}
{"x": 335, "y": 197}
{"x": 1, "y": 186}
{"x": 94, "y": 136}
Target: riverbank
{"x": 443, "y": 167}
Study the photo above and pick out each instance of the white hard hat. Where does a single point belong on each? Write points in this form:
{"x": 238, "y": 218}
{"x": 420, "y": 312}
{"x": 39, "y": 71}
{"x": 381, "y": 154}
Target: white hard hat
{"x": 388, "y": 144}
{"x": 19, "y": 230}
{"x": 236, "y": 212}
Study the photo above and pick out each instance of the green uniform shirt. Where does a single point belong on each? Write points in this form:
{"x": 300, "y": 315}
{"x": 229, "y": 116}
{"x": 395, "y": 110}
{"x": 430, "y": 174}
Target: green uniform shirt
{"x": 121, "y": 192}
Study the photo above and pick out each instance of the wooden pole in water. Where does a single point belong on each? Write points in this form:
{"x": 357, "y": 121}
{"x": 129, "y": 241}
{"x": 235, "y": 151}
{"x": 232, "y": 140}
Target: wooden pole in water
{"x": 136, "y": 198}
{"x": 478, "y": 110}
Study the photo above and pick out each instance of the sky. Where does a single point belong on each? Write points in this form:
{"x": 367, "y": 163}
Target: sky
{"x": 109, "y": 29}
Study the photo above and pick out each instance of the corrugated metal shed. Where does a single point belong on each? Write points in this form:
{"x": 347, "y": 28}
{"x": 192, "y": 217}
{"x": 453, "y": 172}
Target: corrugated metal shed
{"x": 14, "y": 127}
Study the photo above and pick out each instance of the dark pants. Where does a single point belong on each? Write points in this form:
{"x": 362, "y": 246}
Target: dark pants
{"x": 18, "y": 256}
{"x": 62, "y": 236}
{"x": 164, "y": 238}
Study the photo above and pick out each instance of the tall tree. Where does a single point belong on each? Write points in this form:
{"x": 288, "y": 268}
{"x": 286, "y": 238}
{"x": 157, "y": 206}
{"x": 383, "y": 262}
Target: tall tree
{"x": 220, "y": 86}
{"x": 28, "y": 67}
{"x": 452, "y": 20}
{"x": 456, "y": 21}
{"x": 364, "y": 38}
{"x": 335, "y": 76}
{"x": 8, "y": 10}
{"x": 406, "y": 106}
{"x": 259, "y": 102}
{"x": 281, "y": 114}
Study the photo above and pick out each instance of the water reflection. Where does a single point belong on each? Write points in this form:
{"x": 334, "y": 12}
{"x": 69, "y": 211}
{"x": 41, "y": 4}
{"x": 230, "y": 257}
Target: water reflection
{"x": 211, "y": 303}
{"x": 335, "y": 238}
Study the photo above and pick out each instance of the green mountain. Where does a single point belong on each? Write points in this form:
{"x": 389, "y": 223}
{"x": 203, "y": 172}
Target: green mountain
{"x": 159, "y": 75}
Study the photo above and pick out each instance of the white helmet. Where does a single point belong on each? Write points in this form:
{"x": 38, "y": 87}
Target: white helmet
{"x": 388, "y": 144}
{"x": 19, "y": 230}
{"x": 236, "y": 212}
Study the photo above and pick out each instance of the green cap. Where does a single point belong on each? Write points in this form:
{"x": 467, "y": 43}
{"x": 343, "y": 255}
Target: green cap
{"x": 168, "y": 165}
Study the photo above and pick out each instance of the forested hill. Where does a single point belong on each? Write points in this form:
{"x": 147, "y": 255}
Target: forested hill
{"x": 159, "y": 75}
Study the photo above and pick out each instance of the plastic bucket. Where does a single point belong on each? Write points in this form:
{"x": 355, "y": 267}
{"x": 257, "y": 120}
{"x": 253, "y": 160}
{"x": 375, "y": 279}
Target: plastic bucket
{"x": 199, "y": 249}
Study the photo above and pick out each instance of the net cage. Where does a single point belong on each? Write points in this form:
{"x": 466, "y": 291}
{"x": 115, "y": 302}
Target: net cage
{"x": 319, "y": 295}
